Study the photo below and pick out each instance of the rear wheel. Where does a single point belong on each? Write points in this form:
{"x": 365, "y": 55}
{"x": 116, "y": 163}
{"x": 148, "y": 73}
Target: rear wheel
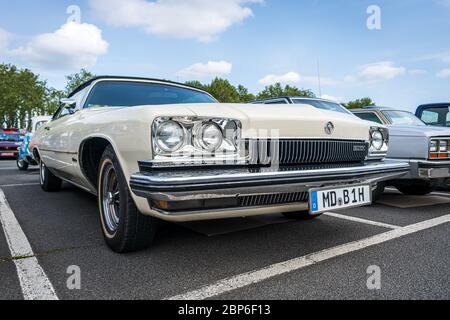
{"x": 301, "y": 215}
{"x": 22, "y": 164}
{"x": 48, "y": 181}
{"x": 124, "y": 228}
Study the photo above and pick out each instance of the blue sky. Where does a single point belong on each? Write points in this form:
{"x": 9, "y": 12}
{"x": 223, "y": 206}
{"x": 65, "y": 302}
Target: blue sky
{"x": 249, "y": 42}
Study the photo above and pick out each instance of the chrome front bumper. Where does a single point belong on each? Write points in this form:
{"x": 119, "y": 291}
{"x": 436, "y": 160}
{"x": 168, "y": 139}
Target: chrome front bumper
{"x": 422, "y": 169}
{"x": 182, "y": 185}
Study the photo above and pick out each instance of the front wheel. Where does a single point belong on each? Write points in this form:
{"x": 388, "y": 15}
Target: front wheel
{"x": 124, "y": 228}
{"x": 48, "y": 181}
{"x": 378, "y": 191}
{"x": 22, "y": 164}
{"x": 419, "y": 189}
{"x": 301, "y": 215}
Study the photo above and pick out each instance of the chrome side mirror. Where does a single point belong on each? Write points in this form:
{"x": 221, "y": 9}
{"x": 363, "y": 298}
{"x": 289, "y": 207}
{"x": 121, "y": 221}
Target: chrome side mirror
{"x": 68, "y": 104}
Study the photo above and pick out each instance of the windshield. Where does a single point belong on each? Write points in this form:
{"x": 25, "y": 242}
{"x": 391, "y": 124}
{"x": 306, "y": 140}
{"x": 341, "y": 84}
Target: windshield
{"x": 129, "y": 94}
{"x": 436, "y": 116}
{"x": 39, "y": 124}
{"x": 324, "y": 105}
{"x": 402, "y": 118}
{"x": 9, "y": 137}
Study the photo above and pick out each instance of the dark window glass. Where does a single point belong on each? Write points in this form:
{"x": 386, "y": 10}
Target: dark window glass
{"x": 439, "y": 116}
{"x": 129, "y": 94}
{"x": 324, "y": 105}
{"x": 276, "y": 102}
{"x": 369, "y": 116}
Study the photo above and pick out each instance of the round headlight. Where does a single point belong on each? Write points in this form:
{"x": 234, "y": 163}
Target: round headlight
{"x": 211, "y": 137}
{"x": 377, "y": 140}
{"x": 170, "y": 136}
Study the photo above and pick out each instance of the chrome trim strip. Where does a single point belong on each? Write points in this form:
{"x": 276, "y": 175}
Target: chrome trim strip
{"x": 194, "y": 186}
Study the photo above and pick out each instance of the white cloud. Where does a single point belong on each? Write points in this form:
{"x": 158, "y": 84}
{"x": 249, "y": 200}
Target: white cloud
{"x": 73, "y": 46}
{"x": 203, "y": 20}
{"x": 288, "y": 78}
{"x": 445, "y": 3}
{"x": 445, "y": 73}
{"x": 4, "y": 40}
{"x": 333, "y": 98}
{"x": 295, "y": 78}
{"x": 417, "y": 72}
{"x": 440, "y": 56}
{"x": 375, "y": 72}
{"x": 206, "y": 70}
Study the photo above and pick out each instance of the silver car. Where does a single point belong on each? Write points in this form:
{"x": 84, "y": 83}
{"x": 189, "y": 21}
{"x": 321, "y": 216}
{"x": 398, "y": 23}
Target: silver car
{"x": 426, "y": 148}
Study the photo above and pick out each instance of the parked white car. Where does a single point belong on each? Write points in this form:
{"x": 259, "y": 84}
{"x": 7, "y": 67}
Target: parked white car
{"x": 153, "y": 149}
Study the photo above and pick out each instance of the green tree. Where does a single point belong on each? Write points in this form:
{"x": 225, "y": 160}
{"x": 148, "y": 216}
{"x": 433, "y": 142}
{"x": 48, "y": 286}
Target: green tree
{"x": 196, "y": 84}
{"x": 223, "y": 91}
{"x": 244, "y": 95}
{"x": 22, "y": 96}
{"x": 77, "y": 79}
{"x": 359, "y": 103}
{"x": 277, "y": 90}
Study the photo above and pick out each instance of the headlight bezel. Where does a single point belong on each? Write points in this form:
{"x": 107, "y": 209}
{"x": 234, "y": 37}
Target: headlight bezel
{"x": 439, "y": 148}
{"x": 157, "y": 139}
{"x": 378, "y": 151}
{"x": 193, "y": 145}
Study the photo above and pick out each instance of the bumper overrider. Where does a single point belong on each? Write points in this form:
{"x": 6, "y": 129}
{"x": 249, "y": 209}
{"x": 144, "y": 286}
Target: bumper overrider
{"x": 428, "y": 170}
{"x": 184, "y": 191}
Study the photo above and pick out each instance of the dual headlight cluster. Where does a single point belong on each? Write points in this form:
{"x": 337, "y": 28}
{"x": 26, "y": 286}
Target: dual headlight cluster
{"x": 188, "y": 135}
{"x": 439, "y": 148}
{"x": 379, "y": 142}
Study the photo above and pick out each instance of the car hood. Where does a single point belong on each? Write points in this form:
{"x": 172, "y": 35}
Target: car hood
{"x": 419, "y": 131}
{"x": 288, "y": 120}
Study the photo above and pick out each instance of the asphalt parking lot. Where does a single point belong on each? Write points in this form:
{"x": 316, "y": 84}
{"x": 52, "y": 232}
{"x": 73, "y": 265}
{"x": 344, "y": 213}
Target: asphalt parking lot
{"x": 264, "y": 258}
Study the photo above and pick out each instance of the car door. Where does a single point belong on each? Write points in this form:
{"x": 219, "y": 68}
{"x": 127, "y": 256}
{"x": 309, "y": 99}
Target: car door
{"x": 58, "y": 151}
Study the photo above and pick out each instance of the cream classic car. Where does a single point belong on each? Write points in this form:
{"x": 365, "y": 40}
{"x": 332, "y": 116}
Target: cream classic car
{"x": 152, "y": 149}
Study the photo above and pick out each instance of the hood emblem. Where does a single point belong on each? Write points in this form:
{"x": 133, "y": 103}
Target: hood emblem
{"x": 329, "y": 128}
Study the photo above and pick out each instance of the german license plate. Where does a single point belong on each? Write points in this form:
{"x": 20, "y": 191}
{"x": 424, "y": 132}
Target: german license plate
{"x": 323, "y": 200}
{"x": 8, "y": 154}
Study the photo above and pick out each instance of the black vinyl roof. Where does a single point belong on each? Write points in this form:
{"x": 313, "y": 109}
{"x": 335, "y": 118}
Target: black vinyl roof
{"x": 125, "y": 78}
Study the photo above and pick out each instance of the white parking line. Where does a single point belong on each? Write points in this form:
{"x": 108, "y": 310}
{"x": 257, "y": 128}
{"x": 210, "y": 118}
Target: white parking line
{"x": 354, "y": 219}
{"x": 253, "y": 277}
{"x": 18, "y": 185}
{"x": 33, "y": 280}
{"x": 9, "y": 168}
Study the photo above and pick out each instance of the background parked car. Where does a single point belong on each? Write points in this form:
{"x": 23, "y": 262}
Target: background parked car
{"x": 435, "y": 114}
{"x": 10, "y": 141}
{"x": 426, "y": 148}
{"x": 25, "y": 157}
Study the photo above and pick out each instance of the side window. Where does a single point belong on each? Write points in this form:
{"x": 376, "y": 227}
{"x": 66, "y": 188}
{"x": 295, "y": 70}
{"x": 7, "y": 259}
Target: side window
{"x": 430, "y": 117}
{"x": 283, "y": 101}
{"x": 369, "y": 116}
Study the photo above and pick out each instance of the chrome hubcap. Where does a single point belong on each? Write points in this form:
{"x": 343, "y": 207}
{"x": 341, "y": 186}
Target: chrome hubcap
{"x": 111, "y": 199}
{"x": 42, "y": 173}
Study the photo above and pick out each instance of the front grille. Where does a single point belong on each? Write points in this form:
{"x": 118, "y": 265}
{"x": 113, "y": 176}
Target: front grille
{"x": 272, "y": 199}
{"x": 291, "y": 152}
